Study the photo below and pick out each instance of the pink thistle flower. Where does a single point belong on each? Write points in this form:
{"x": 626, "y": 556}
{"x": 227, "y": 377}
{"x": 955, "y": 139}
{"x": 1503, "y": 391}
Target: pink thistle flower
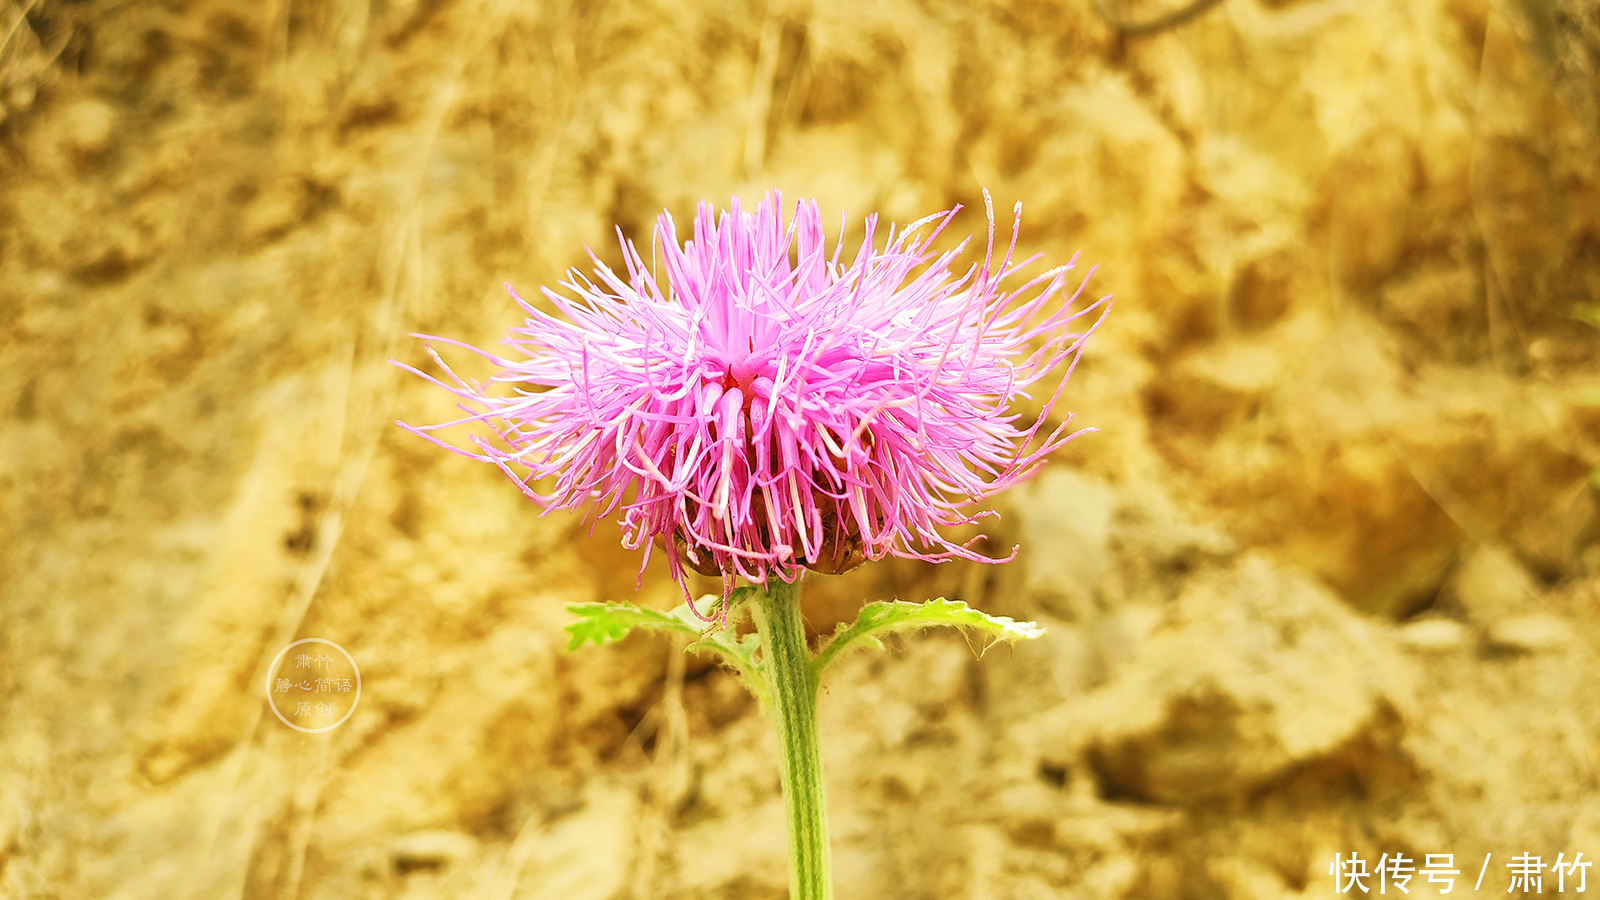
{"x": 769, "y": 408}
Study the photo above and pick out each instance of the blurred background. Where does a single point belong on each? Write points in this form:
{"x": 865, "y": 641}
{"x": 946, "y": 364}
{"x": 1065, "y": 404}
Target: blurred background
{"x": 1327, "y": 580}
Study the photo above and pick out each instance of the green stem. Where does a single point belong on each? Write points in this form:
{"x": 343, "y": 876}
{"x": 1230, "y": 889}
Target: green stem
{"x": 793, "y": 686}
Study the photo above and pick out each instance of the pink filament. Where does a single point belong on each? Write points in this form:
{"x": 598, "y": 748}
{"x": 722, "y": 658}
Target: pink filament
{"x": 768, "y": 399}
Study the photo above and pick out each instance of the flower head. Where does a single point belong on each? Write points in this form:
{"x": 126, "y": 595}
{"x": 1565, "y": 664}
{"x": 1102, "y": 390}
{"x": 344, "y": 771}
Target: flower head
{"x": 768, "y": 407}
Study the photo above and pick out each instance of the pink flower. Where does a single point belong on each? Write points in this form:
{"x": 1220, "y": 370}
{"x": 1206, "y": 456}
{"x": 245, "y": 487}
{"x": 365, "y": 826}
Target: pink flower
{"x": 767, "y": 407}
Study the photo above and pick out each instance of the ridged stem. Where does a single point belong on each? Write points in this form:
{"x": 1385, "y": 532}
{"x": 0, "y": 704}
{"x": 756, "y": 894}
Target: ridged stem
{"x": 793, "y": 688}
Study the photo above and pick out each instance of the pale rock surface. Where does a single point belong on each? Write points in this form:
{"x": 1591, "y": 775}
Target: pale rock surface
{"x": 1434, "y": 636}
{"x": 1535, "y": 633}
{"x": 1490, "y": 584}
{"x": 431, "y": 849}
{"x": 1253, "y": 670}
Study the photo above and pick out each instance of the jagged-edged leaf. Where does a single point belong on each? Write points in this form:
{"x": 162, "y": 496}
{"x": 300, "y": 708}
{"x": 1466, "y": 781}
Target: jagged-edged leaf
{"x": 738, "y": 651}
{"x": 604, "y": 623}
{"x": 890, "y": 616}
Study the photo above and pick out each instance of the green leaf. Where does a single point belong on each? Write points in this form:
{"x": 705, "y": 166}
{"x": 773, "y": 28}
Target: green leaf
{"x": 737, "y": 651}
{"x": 891, "y": 616}
{"x": 1587, "y": 313}
{"x": 605, "y": 623}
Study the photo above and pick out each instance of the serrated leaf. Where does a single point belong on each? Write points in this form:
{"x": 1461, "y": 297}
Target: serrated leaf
{"x": 738, "y": 651}
{"x": 605, "y": 623}
{"x": 892, "y": 616}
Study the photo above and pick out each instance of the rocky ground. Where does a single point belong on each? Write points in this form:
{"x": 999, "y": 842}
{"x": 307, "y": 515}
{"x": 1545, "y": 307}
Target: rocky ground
{"x": 1327, "y": 581}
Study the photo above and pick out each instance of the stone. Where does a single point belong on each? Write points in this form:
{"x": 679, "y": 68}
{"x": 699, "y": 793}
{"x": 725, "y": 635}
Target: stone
{"x": 87, "y": 128}
{"x": 1069, "y": 513}
{"x": 431, "y": 850}
{"x": 1434, "y": 635}
{"x": 1257, "y": 669}
{"x": 1491, "y": 584}
{"x": 1532, "y": 633}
